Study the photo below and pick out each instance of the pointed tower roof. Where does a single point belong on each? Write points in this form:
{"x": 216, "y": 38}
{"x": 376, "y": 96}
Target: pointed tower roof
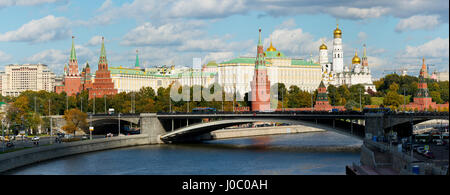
{"x": 321, "y": 85}
{"x": 87, "y": 64}
{"x": 364, "y": 53}
{"x": 423, "y": 70}
{"x": 73, "y": 55}
{"x": 102, "y": 59}
{"x": 259, "y": 42}
{"x": 136, "y": 65}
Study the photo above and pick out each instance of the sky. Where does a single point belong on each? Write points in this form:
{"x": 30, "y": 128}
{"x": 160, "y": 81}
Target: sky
{"x": 397, "y": 33}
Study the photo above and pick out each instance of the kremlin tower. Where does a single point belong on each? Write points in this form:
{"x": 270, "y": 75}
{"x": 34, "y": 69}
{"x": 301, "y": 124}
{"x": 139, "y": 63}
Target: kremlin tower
{"x": 260, "y": 86}
{"x": 72, "y": 77}
{"x": 423, "y": 100}
{"x": 322, "y": 103}
{"x": 103, "y": 84}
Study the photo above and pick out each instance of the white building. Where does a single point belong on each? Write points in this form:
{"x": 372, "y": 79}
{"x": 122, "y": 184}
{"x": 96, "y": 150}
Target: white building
{"x": 235, "y": 75}
{"x": 336, "y": 73}
{"x": 19, "y": 78}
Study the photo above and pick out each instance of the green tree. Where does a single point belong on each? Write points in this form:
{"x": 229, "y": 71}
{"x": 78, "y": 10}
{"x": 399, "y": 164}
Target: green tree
{"x": 436, "y": 97}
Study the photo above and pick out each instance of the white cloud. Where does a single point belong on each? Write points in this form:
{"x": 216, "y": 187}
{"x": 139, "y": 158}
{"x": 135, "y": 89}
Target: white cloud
{"x": 436, "y": 48}
{"x": 167, "y": 34}
{"x": 207, "y": 9}
{"x": 218, "y": 56}
{"x": 418, "y": 22}
{"x": 4, "y": 57}
{"x": 106, "y": 5}
{"x": 358, "y": 13}
{"x": 287, "y": 24}
{"x": 435, "y": 52}
{"x": 362, "y": 37}
{"x": 42, "y": 30}
{"x": 7, "y": 3}
{"x": 94, "y": 41}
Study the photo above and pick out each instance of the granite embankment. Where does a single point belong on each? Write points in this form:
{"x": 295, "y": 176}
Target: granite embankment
{"x": 24, "y": 157}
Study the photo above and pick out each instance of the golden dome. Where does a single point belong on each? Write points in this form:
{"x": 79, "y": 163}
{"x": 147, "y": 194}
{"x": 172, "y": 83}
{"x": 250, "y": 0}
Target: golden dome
{"x": 337, "y": 32}
{"x": 356, "y": 59}
{"x": 271, "y": 48}
{"x": 323, "y": 46}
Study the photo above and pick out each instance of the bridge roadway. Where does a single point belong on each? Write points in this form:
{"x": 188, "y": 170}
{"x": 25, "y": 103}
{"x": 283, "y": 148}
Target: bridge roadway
{"x": 160, "y": 124}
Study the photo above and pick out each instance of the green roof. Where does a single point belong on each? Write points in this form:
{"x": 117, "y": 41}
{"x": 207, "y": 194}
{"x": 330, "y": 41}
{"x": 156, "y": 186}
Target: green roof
{"x": 247, "y": 60}
{"x": 274, "y": 54}
{"x": 242, "y": 60}
{"x": 303, "y": 62}
{"x": 212, "y": 63}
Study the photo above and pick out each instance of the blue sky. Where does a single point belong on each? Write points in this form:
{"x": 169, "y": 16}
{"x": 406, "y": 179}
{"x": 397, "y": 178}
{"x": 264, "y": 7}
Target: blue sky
{"x": 397, "y": 33}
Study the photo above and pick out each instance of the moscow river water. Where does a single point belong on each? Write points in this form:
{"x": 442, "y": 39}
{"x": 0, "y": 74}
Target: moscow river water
{"x": 322, "y": 153}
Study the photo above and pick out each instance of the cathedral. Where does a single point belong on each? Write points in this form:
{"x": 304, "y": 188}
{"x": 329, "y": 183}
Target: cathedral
{"x": 336, "y": 73}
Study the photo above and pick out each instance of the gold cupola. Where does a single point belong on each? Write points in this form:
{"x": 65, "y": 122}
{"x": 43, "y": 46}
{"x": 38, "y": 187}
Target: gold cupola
{"x": 337, "y": 32}
{"x": 323, "y": 47}
{"x": 271, "y": 48}
{"x": 356, "y": 59}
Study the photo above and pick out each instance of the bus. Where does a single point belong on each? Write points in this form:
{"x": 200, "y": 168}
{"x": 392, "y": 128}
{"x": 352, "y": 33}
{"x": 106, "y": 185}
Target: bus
{"x": 422, "y": 138}
{"x": 111, "y": 111}
{"x": 203, "y": 110}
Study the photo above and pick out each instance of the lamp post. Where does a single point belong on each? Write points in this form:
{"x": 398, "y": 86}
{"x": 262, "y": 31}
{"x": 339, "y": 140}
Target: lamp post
{"x": 404, "y": 99}
{"x": 104, "y": 97}
{"x": 360, "y": 108}
{"x": 94, "y": 104}
{"x": 51, "y": 122}
{"x": 282, "y": 100}
{"x": 3, "y": 136}
{"x": 119, "y": 125}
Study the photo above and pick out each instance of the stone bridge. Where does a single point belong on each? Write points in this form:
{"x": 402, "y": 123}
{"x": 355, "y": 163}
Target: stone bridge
{"x": 171, "y": 126}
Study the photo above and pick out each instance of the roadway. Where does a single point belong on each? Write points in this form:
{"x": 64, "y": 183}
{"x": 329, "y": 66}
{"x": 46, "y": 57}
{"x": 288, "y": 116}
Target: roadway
{"x": 23, "y": 143}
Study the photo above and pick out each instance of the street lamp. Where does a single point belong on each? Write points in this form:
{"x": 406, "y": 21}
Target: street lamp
{"x": 95, "y": 97}
{"x": 51, "y": 121}
{"x": 119, "y": 125}
{"x": 360, "y": 108}
{"x": 104, "y": 96}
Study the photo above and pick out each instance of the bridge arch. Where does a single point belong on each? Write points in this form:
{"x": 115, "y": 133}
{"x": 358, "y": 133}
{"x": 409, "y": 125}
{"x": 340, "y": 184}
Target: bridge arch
{"x": 195, "y": 131}
{"x": 109, "y": 125}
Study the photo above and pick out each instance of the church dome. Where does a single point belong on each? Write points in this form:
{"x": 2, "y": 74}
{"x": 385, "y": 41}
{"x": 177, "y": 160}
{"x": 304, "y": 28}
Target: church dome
{"x": 271, "y": 48}
{"x": 337, "y": 32}
{"x": 323, "y": 46}
{"x": 356, "y": 59}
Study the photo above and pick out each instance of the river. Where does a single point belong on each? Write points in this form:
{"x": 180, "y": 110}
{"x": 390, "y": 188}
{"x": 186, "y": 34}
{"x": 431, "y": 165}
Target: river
{"x": 322, "y": 153}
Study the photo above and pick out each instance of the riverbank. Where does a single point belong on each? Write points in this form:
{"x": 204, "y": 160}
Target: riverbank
{"x": 29, "y": 156}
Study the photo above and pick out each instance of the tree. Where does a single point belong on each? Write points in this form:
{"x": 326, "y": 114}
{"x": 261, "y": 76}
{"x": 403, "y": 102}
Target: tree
{"x": 350, "y": 105}
{"x": 436, "y": 97}
{"x": 392, "y": 98}
{"x": 75, "y": 119}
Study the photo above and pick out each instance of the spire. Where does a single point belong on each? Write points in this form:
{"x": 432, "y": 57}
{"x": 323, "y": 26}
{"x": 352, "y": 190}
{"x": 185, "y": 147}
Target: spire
{"x": 364, "y": 54}
{"x": 259, "y": 42}
{"x": 136, "y": 65}
{"x": 73, "y": 55}
{"x": 423, "y": 70}
{"x": 102, "y": 59}
{"x": 87, "y": 64}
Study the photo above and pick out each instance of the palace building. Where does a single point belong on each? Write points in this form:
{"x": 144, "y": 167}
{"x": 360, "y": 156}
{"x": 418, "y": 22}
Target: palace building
{"x": 236, "y": 74}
